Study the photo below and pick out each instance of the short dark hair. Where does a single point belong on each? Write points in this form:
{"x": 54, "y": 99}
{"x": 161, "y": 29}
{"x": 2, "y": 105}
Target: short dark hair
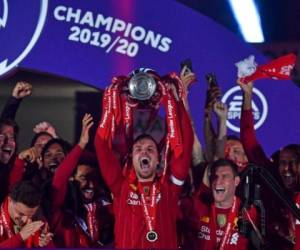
{"x": 87, "y": 158}
{"x": 233, "y": 138}
{"x": 223, "y": 163}
{"x": 66, "y": 147}
{"x": 146, "y": 136}
{"x": 11, "y": 123}
{"x": 27, "y": 193}
{"x": 36, "y": 136}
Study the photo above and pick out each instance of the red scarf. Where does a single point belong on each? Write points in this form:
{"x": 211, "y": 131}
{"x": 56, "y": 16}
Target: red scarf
{"x": 279, "y": 68}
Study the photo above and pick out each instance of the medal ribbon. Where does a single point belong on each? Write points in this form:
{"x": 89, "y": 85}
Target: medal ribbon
{"x": 5, "y": 219}
{"x": 92, "y": 221}
{"x": 149, "y": 210}
{"x": 231, "y": 216}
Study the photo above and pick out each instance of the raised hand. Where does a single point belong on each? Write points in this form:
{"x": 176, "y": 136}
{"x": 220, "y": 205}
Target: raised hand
{"x": 247, "y": 88}
{"x": 21, "y": 90}
{"x": 45, "y": 127}
{"x": 187, "y": 77}
{"x": 87, "y": 123}
{"x": 45, "y": 236}
{"x": 30, "y": 155}
{"x": 211, "y": 97}
{"x": 220, "y": 110}
{"x": 30, "y": 228}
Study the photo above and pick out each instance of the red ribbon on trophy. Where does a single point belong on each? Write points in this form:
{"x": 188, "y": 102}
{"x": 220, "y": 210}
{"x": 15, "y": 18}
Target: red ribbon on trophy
{"x": 170, "y": 104}
{"x": 119, "y": 105}
{"x": 279, "y": 68}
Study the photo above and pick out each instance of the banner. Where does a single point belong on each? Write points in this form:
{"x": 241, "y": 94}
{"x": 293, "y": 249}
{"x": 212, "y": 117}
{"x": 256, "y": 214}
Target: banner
{"x": 92, "y": 41}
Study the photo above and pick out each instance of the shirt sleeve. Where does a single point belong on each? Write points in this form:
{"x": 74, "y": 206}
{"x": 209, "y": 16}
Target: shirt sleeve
{"x": 109, "y": 164}
{"x": 253, "y": 149}
{"x": 62, "y": 175}
{"x": 180, "y": 166}
{"x": 11, "y": 107}
{"x": 16, "y": 172}
{"x": 13, "y": 242}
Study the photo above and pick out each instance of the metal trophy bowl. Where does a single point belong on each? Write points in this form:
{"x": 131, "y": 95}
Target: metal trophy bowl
{"x": 142, "y": 86}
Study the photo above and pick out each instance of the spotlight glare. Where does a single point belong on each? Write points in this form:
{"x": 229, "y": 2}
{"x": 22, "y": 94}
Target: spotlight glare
{"x": 248, "y": 18}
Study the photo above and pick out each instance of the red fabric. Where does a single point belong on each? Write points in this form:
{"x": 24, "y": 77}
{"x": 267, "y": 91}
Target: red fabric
{"x": 297, "y": 225}
{"x": 130, "y": 226}
{"x": 67, "y": 232}
{"x": 196, "y": 213}
{"x": 253, "y": 149}
{"x": 279, "y": 68}
{"x": 16, "y": 240}
{"x": 16, "y": 172}
{"x": 62, "y": 175}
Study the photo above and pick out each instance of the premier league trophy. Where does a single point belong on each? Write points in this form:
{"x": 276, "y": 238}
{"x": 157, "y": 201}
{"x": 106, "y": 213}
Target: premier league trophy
{"x": 143, "y": 89}
{"x": 142, "y": 86}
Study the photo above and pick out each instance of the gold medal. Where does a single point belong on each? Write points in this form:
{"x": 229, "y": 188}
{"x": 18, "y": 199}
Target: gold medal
{"x": 151, "y": 236}
{"x": 221, "y": 220}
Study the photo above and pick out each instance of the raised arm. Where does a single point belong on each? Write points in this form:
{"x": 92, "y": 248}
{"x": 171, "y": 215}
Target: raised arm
{"x": 21, "y": 90}
{"x": 30, "y": 156}
{"x": 180, "y": 166}
{"x": 220, "y": 109}
{"x": 253, "y": 149}
{"x": 68, "y": 165}
{"x": 188, "y": 77}
{"x": 109, "y": 164}
{"x": 209, "y": 133}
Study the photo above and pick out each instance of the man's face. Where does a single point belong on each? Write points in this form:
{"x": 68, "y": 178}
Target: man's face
{"x": 223, "y": 184}
{"x": 288, "y": 168}
{"x": 234, "y": 151}
{"x": 88, "y": 181}
{"x": 7, "y": 143}
{"x": 53, "y": 156}
{"x": 41, "y": 142}
{"x": 145, "y": 159}
{"x": 20, "y": 213}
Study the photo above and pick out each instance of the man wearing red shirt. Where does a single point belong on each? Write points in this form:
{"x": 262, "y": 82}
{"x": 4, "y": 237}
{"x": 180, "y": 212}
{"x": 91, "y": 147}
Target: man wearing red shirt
{"x": 214, "y": 224}
{"x": 83, "y": 220}
{"x": 145, "y": 204}
{"x": 17, "y": 214}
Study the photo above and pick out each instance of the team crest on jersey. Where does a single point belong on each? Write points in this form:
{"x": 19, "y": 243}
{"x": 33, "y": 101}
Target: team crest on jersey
{"x": 19, "y": 32}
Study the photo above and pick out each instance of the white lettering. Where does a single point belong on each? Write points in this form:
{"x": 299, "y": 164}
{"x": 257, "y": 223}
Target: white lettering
{"x": 107, "y": 22}
{"x": 119, "y": 25}
{"x": 114, "y": 25}
{"x": 165, "y": 44}
{"x": 152, "y": 39}
{"x": 138, "y": 33}
{"x": 87, "y": 19}
{"x": 57, "y": 13}
{"x": 73, "y": 15}
{"x": 234, "y": 239}
{"x": 205, "y": 229}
